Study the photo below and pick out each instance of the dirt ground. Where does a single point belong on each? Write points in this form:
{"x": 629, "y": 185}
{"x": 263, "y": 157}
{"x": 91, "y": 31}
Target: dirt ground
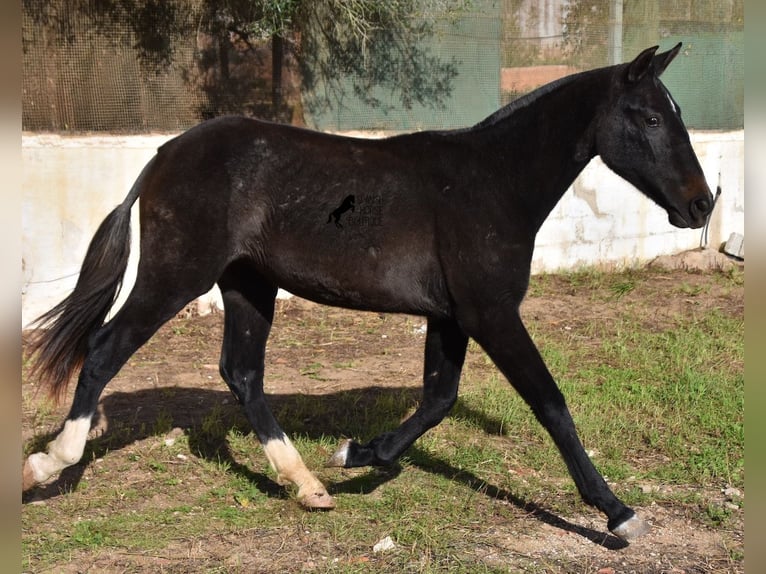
{"x": 307, "y": 340}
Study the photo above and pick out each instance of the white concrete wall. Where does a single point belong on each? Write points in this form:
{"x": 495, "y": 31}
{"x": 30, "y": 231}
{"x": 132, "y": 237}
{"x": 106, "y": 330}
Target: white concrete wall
{"x": 71, "y": 183}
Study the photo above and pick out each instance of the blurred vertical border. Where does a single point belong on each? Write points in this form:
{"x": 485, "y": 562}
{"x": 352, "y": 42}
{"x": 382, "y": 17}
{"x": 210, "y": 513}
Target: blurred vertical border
{"x": 10, "y": 284}
{"x": 755, "y": 323}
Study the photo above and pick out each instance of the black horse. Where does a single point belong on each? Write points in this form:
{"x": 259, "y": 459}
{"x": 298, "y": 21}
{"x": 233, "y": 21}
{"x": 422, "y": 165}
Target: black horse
{"x": 243, "y": 203}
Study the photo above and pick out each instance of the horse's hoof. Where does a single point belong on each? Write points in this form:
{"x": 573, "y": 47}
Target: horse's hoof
{"x": 341, "y": 455}
{"x": 27, "y": 476}
{"x": 631, "y": 528}
{"x": 318, "y": 500}
{"x": 100, "y": 424}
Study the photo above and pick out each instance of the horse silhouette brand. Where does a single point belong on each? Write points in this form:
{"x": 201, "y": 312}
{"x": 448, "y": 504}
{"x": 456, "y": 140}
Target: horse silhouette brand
{"x": 346, "y": 204}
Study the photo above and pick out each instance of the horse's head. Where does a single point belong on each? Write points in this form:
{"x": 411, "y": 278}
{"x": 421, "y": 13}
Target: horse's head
{"x": 641, "y": 137}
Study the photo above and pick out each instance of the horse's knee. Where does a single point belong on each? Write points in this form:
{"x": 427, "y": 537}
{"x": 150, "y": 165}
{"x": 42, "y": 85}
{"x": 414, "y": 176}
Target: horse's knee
{"x": 239, "y": 384}
{"x": 441, "y": 408}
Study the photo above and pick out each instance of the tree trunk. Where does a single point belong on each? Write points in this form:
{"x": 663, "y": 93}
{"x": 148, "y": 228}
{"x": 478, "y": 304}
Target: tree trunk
{"x": 223, "y": 56}
{"x": 276, "y": 74}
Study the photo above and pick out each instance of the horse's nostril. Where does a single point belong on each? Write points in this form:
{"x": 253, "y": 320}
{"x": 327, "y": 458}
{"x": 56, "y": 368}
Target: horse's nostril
{"x": 701, "y": 206}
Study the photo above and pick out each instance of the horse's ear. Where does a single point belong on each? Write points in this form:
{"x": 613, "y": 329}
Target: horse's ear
{"x": 661, "y": 61}
{"x": 638, "y": 68}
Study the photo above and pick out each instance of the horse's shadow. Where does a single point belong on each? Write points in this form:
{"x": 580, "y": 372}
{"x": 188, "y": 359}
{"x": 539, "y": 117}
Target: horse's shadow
{"x": 207, "y": 416}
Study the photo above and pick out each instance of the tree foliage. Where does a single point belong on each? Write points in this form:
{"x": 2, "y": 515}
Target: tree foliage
{"x": 380, "y": 47}
{"x": 369, "y": 43}
{"x": 586, "y": 31}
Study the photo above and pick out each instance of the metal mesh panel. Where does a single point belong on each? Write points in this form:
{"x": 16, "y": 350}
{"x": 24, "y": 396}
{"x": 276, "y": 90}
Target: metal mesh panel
{"x": 79, "y": 76}
{"x": 84, "y": 70}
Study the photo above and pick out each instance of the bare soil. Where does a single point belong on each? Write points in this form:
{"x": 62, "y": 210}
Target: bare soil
{"x": 317, "y": 350}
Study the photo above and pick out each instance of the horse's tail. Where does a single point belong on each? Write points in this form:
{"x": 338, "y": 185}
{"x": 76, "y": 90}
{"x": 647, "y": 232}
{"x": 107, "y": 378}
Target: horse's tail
{"x": 62, "y": 338}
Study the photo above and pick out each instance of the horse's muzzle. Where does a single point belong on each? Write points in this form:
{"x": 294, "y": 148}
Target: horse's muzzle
{"x": 697, "y": 209}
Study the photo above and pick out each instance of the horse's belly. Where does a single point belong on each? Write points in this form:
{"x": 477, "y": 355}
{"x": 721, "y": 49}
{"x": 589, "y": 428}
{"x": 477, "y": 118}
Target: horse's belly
{"x": 365, "y": 279}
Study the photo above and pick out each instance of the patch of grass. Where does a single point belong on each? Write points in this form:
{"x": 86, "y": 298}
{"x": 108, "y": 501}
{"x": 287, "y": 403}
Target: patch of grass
{"x": 312, "y": 371}
{"x": 158, "y": 466}
{"x": 691, "y": 290}
{"x": 214, "y": 427}
{"x": 621, "y": 288}
{"x": 89, "y": 534}
{"x": 671, "y": 394}
{"x": 716, "y": 515}
{"x": 734, "y": 276}
{"x": 163, "y": 423}
{"x": 586, "y": 277}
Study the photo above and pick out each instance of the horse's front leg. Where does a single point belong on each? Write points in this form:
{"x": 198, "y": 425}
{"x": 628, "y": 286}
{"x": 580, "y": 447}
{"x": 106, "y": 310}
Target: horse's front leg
{"x": 445, "y": 350}
{"x": 505, "y": 339}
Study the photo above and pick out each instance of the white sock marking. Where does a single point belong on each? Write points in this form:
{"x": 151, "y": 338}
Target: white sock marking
{"x": 63, "y": 451}
{"x": 289, "y": 466}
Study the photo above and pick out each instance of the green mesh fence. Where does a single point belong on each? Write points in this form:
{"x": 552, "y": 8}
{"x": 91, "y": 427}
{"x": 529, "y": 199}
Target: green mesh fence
{"x": 145, "y": 65}
{"x": 469, "y": 48}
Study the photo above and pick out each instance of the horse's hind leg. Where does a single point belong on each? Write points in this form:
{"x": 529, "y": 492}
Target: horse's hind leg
{"x": 249, "y": 310}
{"x": 110, "y": 347}
{"x": 444, "y": 354}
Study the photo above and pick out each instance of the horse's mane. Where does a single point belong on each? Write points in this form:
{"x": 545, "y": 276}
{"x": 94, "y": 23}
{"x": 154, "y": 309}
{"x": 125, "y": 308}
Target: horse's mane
{"x": 527, "y": 99}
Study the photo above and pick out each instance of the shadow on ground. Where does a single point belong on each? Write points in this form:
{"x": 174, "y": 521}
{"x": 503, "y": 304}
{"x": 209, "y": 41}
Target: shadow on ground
{"x": 207, "y": 416}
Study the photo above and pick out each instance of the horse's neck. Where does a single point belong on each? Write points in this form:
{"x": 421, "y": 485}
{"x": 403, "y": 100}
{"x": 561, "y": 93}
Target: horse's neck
{"x": 544, "y": 145}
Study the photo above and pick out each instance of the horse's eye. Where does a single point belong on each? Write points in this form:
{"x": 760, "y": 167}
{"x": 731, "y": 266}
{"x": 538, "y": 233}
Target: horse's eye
{"x": 653, "y": 122}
